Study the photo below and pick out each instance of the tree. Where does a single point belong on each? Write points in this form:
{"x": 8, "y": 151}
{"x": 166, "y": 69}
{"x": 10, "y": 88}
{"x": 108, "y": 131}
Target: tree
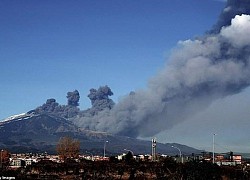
{"x": 68, "y": 148}
{"x": 129, "y": 157}
{"x": 4, "y": 159}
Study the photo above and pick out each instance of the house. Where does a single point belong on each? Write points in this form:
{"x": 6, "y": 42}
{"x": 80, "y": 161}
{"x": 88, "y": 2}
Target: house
{"x": 228, "y": 159}
{"x": 28, "y": 162}
{"x": 237, "y": 159}
{"x": 121, "y": 157}
{"x": 17, "y": 163}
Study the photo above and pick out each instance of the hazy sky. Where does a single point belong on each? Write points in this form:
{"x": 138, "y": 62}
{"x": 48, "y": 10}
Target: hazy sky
{"x": 51, "y": 47}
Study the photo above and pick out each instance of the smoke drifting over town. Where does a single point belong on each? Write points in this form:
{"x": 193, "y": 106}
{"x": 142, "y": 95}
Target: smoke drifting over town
{"x": 197, "y": 73}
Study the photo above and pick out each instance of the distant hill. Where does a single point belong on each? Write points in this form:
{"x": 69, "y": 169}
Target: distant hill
{"x": 28, "y": 132}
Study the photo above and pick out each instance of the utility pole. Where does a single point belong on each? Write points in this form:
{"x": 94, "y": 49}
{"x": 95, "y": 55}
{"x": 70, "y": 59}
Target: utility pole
{"x": 179, "y": 153}
{"x": 104, "y": 149}
{"x": 154, "y": 149}
{"x": 213, "y": 148}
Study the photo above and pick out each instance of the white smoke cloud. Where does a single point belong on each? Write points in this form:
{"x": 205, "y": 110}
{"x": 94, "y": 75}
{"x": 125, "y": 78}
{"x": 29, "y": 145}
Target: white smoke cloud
{"x": 197, "y": 73}
{"x": 238, "y": 33}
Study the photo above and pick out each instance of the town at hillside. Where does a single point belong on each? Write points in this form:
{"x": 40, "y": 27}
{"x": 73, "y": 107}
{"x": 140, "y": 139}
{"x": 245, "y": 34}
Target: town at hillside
{"x": 71, "y": 163}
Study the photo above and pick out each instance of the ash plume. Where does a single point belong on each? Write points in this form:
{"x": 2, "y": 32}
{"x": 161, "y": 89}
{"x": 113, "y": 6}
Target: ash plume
{"x": 100, "y": 102}
{"x": 197, "y": 73}
{"x": 65, "y": 111}
{"x": 100, "y": 99}
{"x": 73, "y": 98}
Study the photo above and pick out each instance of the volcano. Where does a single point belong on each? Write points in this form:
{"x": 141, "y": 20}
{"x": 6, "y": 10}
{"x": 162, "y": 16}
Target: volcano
{"x": 35, "y": 133}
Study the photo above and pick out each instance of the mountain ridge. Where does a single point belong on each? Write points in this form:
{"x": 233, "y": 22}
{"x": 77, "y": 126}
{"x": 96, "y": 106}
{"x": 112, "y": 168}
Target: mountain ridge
{"x": 29, "y": 132}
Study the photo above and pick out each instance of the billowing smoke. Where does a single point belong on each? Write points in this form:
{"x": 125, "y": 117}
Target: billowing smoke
{"x": 65, "y": 111}
{"x": 73, "y": 98}
{"x": 100, "y": 99}
{"x": 49, "y": 106}
{"x": 233, "y": 8}
{"x": 197, "y": 73}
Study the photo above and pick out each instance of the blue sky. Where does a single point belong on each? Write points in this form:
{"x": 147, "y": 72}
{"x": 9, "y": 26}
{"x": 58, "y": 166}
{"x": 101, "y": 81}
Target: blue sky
{"x": 51, "y": 47}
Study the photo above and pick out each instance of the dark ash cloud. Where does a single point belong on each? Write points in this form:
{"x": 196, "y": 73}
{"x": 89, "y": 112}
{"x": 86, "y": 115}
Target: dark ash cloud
{"x": 73, "y": 98}
{"x": 100, "y": 98}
